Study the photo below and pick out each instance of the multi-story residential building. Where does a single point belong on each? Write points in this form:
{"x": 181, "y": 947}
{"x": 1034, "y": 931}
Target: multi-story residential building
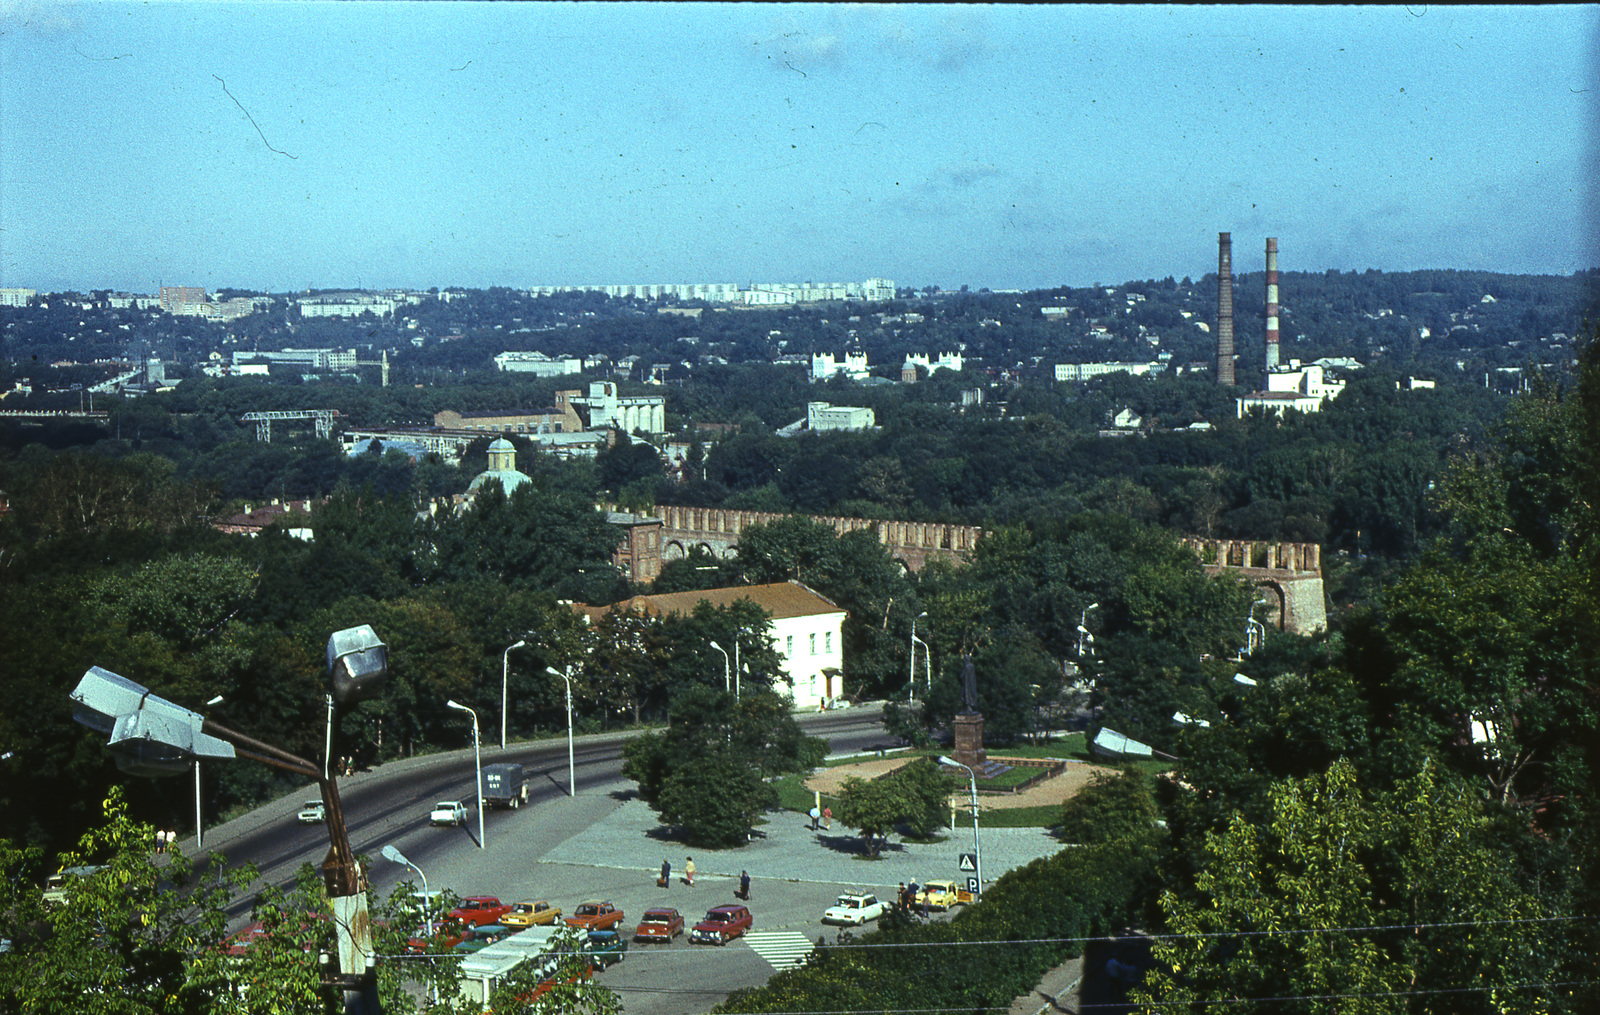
{"x": 182, "y": 299}
{"x": 311, "y": 359}
{"x": 16, "y": 297}
{"x": 346, "y": 304}
{"x": 1080, "y": 372}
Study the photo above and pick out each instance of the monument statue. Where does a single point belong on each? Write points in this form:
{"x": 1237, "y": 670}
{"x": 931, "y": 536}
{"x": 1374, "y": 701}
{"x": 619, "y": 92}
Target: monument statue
{"x": 969, "y": 686}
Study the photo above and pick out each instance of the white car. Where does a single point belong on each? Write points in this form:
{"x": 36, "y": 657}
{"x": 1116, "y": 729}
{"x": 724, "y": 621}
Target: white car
{"x": 448, "y": 812}
{"x": 313, "y": 813}
{"x": 853, "y": 910}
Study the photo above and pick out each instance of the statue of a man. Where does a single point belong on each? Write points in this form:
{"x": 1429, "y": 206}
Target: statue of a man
{"x": 969, "y": 686}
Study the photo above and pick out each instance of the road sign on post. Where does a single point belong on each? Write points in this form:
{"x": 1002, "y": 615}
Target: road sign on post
{"x": 972, "y": 886}
{"x": 968, "y": 863}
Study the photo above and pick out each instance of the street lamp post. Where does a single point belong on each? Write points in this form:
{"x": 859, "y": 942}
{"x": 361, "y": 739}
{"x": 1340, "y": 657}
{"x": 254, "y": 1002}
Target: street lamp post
{"x": 911, "y": 675}
{"x": 477, "y": 763}
{"x": 572, "y": 778}
{"x": 505, "y": 681}
{"x": 394, "y": 855}
{"x": 149, "y": 735}
{"x": 977, "y": 852}
{"x": 198, "y": 840}
{"x": 727, "y": 682}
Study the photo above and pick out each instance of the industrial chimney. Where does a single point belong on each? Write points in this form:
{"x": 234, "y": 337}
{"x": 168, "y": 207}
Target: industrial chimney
{"x": 1225, "y": 309}
{"x": 1272, "y": 304}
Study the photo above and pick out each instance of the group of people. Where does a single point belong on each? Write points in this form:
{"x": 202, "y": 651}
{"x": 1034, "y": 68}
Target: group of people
{"x": 665, "y": 880}
{"x": 909, "y": 897}
{"x": 164, "y": 840}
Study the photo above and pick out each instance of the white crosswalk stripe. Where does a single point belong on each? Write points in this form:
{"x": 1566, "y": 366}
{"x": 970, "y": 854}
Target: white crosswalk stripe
{"x": 785, "y": 949}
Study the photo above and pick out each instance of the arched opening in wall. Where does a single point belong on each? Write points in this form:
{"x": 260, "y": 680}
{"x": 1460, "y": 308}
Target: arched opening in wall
{"x": 1272, "y": 612}
{"x": 673, "y": 550}
{"x": 711, "y": 551}
{"x": 905, "y": 568}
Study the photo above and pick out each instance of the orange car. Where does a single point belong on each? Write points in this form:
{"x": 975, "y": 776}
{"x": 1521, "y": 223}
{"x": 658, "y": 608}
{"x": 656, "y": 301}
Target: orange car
{"x": 595, "y": 915}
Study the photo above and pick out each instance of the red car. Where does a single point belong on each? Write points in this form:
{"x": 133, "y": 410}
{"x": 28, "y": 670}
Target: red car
{"x": 659, "y": 925}
{"x": 721, "y": 925}
{"x": 444, "y": 938}
{"x": 479, "y": 909}
{"x": 595, "y": 915}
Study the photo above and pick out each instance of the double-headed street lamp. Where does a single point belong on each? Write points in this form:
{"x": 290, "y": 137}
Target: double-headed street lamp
{"x": 477, "y": 763}
{"x": 505, "y": 681}
{"x": 977, "y": 853}
{"x": 153, "y": 736}
{"x": 572, "y": 778}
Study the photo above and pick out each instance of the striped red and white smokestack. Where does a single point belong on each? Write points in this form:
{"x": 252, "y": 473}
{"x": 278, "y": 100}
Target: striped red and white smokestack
{"x": 1225, "y": 309}
{"x": 1272, "y": 304}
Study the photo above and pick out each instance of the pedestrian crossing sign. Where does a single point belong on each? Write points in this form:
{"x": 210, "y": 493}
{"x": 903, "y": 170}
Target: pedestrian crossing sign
{"x": 969, "y": 862}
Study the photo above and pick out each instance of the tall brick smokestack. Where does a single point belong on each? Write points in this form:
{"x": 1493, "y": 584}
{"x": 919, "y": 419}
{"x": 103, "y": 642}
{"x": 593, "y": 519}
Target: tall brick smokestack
{"x": 1225, "y": 309}
{"x": 1272, "y": 304}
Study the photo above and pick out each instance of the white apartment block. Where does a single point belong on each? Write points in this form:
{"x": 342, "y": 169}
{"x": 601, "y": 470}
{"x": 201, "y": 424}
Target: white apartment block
{"x": 1080, "y": 372}
{"x": 348, "y": 304}
{"x": 16, "y": 297}
{"x": 754, "y": 294}
{"x": 537, "y": 364}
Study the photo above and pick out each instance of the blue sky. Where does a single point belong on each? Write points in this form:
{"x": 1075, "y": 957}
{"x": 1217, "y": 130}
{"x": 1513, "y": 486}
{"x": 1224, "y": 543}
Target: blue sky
{"x": 285, "y": 145}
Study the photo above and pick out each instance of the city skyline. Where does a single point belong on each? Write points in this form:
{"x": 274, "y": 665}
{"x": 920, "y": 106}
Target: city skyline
{"x": 281, "y": 146}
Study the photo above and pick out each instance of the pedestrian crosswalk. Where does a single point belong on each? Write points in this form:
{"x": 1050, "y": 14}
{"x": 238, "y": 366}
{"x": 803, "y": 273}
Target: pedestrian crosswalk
{"x": 785, "y": 949}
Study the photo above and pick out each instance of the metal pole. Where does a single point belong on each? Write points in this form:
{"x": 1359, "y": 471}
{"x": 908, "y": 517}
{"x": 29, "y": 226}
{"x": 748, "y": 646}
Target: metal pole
{"x": 505, "y": 681}
{"x": 477, "y": 763}
{"x": 727, "y": 683}
{"x": 572, "y": 778}
{"x": 198, "y": 841}
{"x": 911, "y": 676}
{"x": 977, "y": 851}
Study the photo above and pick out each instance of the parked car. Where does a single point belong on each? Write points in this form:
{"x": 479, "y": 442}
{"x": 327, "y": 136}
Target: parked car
{"x": 658, "y": 925}
{"x": 605, "y": 948}
{"x": 853, "y": 910}
{"x": 313, "y": 813}
{"x": 721, "y": 925}
{"x": 531, "y": 914}
{"x": 55, "y": 886}
{"x": 443, "y": 936}
{"x": 943, "y": 895}
{"x": 448, "y": 812}
{"x": 477, "y": 910}
{"x": 484, "y": 936}
{"x": 595, "y": 915}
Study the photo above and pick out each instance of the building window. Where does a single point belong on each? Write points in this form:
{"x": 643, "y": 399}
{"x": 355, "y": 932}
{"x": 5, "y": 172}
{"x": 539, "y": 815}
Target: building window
{"x": 813, "y": 644}
{"x": 827, "y": 643}
{"x": 788, "y": 646}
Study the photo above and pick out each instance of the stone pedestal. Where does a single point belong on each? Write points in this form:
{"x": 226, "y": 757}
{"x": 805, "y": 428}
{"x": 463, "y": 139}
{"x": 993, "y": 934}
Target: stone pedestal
{"x": 967, "y": 728}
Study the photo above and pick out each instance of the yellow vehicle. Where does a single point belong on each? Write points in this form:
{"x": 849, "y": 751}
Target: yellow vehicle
{"x": 531, "y": 914}
{"x": 943, "y": 895}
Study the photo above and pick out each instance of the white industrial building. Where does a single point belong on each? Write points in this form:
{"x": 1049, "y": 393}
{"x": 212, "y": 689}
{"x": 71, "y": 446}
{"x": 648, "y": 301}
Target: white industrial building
{"x": 537, "y": 364}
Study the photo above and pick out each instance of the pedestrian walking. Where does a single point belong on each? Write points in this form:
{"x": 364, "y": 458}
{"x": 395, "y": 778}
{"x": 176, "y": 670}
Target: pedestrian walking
{"x": 665, "y": 881}
{"x": 900, "y": 896}
{"x": 744, "y": 885}
{"x": 815, "y": 815}
{"x": 827, "y": 817}
{"x": 688, "y": 870}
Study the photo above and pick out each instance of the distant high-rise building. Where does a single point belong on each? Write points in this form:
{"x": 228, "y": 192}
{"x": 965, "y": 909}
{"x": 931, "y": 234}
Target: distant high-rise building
{"x": 179, "y": 299}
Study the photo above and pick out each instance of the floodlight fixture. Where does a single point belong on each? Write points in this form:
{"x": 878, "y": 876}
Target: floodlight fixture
{"x": 358, "y": 663}
{"x": 148, "y": 735}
